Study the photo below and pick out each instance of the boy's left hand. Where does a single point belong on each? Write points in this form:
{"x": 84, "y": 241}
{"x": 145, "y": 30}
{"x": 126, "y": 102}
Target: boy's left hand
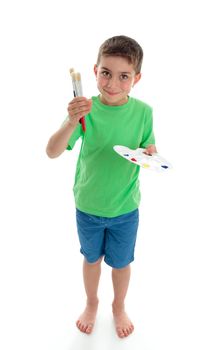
{"x": 150, "y": 149}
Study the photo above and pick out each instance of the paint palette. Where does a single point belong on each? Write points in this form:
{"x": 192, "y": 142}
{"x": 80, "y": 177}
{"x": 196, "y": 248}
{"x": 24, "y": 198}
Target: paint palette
{"x": 152, "y": 161}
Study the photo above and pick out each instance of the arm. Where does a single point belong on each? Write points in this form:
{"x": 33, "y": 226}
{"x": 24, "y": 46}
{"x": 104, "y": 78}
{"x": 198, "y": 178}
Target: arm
{"x": 58, "y": 142}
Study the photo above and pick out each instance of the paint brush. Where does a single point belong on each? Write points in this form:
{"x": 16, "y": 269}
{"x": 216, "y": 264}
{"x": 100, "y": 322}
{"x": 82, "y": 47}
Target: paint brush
{"x": 72, "y": 72}
{"x": 77, "y": 91}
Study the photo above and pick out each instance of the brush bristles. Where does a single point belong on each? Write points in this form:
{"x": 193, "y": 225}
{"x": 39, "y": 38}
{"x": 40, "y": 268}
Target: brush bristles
{"x": 73, "y": 75}
{"x": 76, "y": 82}
{"x": 77, "y": 76}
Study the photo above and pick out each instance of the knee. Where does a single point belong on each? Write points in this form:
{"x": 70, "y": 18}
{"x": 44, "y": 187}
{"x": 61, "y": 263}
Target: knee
{"x": 97, "y": 262}
{"x": 119, "y": 269}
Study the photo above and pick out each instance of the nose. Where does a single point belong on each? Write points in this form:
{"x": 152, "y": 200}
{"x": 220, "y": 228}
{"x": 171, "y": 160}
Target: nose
{"x": 113, "y": 81}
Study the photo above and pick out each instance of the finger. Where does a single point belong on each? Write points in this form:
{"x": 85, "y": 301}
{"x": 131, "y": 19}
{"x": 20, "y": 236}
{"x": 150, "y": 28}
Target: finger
{"x": 150, "y": 149}
{"x": 84, "y": 104}
{"x": 78, "y": 99}
{"x": 78, "y": 115}
{"x": 78, "y": 110}
{"x": 77, "y": 106}
{"x": 148, "y": 152}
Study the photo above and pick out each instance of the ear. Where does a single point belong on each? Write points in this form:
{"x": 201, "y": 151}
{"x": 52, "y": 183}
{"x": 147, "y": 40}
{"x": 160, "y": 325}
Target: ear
{"x": 95, "y": 69}
{"x": 136, "y": 78}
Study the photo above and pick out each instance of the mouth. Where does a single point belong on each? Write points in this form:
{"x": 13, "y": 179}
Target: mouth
{"x": 111, "y": 93}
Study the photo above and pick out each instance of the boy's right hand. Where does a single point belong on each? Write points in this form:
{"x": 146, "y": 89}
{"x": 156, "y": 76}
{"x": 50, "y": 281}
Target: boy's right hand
{"x": 78, "y": 108}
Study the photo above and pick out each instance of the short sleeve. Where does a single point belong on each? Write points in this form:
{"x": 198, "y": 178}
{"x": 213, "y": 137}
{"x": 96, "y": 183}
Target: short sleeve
{"x": 77, "y": 133}
{"x": 148, "y": 135}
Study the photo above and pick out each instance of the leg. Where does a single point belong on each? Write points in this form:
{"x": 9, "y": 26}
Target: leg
{"x": 91, "y": 275}
{"x": 121, "y": 278}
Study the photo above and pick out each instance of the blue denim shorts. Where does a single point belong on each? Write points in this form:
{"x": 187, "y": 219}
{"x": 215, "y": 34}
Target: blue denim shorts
{"x": 113, "y": 238}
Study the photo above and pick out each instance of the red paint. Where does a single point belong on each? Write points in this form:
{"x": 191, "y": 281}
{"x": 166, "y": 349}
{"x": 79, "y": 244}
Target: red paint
{"x": 133, "y": 159}
{"x": 82, "y": 121}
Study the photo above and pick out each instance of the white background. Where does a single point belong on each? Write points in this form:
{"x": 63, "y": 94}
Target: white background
{"x": 175, "y": 292}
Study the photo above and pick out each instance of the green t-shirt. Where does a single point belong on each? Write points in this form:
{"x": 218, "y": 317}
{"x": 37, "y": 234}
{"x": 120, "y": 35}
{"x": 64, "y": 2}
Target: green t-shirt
{"x": 105, "y": 183}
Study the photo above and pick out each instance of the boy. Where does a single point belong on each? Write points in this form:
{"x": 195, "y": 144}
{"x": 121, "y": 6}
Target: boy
{"x": 106, "y": 186}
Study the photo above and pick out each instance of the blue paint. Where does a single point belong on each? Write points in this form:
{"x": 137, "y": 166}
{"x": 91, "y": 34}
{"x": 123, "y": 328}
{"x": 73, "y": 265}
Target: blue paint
{"x": 164, "y": 166}
{"x": 126, "y": 155}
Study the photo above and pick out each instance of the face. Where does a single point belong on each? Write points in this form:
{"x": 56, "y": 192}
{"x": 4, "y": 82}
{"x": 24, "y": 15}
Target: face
{"x": 115, "y": 78}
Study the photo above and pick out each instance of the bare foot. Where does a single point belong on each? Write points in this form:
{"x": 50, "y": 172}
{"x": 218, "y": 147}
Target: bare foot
{"x": 86, "y": 320}
{"x": 124, "y": 326}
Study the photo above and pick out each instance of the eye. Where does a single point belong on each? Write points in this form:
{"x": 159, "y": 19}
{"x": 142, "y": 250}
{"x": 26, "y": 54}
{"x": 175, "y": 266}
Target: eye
{"x": 105, "y": 74}
{"x": 124, "y": 77}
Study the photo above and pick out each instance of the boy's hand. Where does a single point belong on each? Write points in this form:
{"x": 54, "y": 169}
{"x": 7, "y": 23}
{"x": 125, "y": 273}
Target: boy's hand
{"x": 78, "y": 108}
{"x": 150, "y": 149}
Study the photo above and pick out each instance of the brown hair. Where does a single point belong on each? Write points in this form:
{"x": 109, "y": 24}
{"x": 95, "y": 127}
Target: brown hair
{"x": 122, "y": 46}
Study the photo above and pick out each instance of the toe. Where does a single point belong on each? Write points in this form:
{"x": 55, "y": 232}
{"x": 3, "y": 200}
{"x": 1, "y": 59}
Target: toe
{"x": 125, "y": 332}
{"x": 89, "y": 328}
{"x": 120, "y": 332}
{"x": 131, "y": 328}
{"x": 78, "y": 324}
{"x": 129, "y": 331}
{"x": 82, "y": 328}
